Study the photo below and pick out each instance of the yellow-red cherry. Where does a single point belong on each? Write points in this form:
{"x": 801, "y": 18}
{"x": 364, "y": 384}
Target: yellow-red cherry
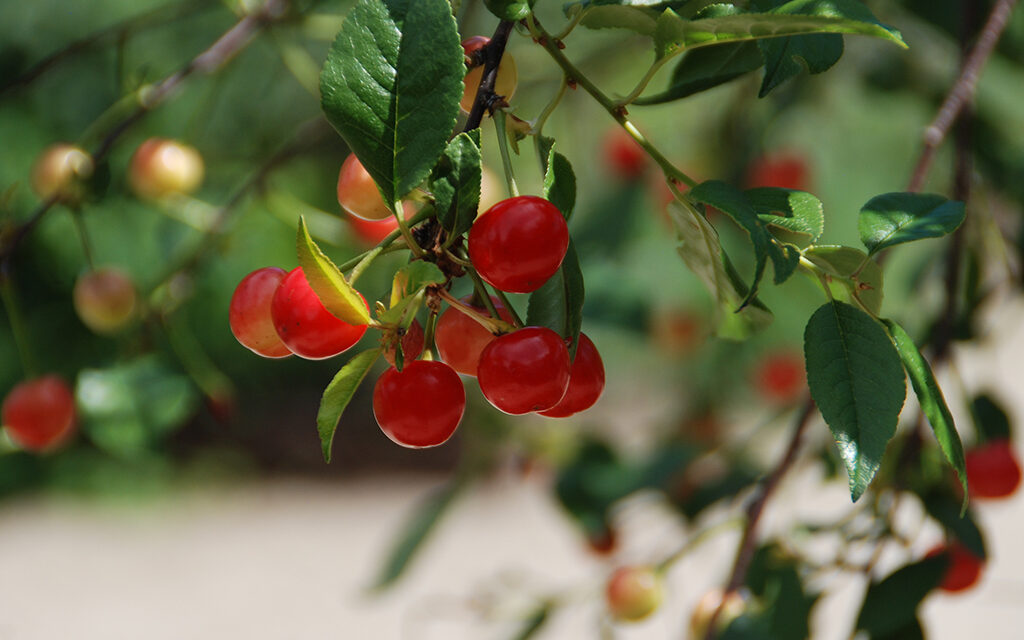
{"x": 519, "y": 243}
{"x": 634, "y": 592}
{"x": 39, "y": 414}
{"x": 526, "y": 370}
{"x": 305, "y": 325}
{"x": 421, "y": 405}
{"x": 586, "y": 381}
{"x": 460, "y": 339}
{"x": 250, "y": 316}
{"x": 358, "y": 193}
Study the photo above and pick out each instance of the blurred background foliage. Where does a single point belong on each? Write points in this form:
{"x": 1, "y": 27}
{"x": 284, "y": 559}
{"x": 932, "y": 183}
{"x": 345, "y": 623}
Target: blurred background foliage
{"x": 176, "y": 399}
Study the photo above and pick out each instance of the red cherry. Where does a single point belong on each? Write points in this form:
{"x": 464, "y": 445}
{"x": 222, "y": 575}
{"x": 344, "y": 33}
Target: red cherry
{"x": 460, "y": 339}
{"x": 963, "y": 570}
{"x": 993, "y": 470}
{"x": 519, "y": 243}
{"x": 412, "y": 344}
{"x": 357, "y": 192}
{"x": 524, "y": 371}
{"x": 623, "y": 156}
{"x": 371, "y": 232}
{"x": 250, "y": 317}
{"x": 586, "y": 382}
{"x": 785, "y": 170}
{"x": 421, "y": 405}
{"x": 633, "y": 593}
{"x": 781, "y": 376}
{"x": 39, "y": 414}
{"x": 305, "y": 325}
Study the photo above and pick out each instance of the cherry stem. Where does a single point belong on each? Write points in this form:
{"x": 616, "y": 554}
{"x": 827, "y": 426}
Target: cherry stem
{"x": 508, "y": 306}
{"x": 403, "y": 228}
{"x": 429, "y": 348}
{"x": 495, "y": 325}
{"x": 10, "y": 300}
{"x": 83, "y": 235}
{"x": 506, "y": 159}
{"x": 361, "y": 266}
{"x": 387, "y": 245}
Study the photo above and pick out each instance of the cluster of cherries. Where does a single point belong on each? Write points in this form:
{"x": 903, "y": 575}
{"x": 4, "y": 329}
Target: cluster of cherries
{"x": 516, "y": 245}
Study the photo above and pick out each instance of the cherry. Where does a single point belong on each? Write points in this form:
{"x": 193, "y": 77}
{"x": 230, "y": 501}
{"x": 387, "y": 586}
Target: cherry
{"x": 412, "y": 344}
{"x": 460, "y": 339}
{"x": 781, "y": 376}
{"x": 992, "y": 469}
{"x": 358, "y": 194}
{"x": 105, "y": 299}
{"x": 634, "y": 592}
{"x": 519, "y": 243}
{"x": 963, "y": 570}
{"x": 504, "y": 84}
{"x": 40, "y": 413}
{"x": 586, "y": 382}
{"x": 58, "y": 172}
{"x": 676, "y": 331}
{"x": 623, "y": 156}
{"x": 526, "y": 370}
{"x": 709, "y": 603}
{"x": 421, "y": 405}
{"x": 305, "y": 325}
{"x": 603, "y": 541}
{"x": 785, "y": 170}
{"x": 250, "y": 313}
{"x": 162, "y": 167}
{"x": 371, "y": 232}
{"x": 492, "y": 189}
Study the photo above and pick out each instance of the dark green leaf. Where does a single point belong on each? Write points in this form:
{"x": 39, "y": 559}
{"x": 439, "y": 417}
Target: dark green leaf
{"x": 708, "y": 67}
{"x": 852, "y": 269}
{"x": 428, "y": 513}
{"x": 795, "y": 211}
{"x": 558, "y": 303}
{"x": 895, "y": 218}
{"x": 857, "y": 381}
{"x": 933, "y": 404}
{"x": 774, "y": 577}
{"x": 455, "y": 183}
{"x": 990, "y": 420}
{"x": 560, "y": 183}
{"x": 787, "y": 57}
{"x": 339, "y": 393}
{"x": 891, "y": 605}
{"x": 702, "y": 252}
{"x": 945, "y": 508}
{"x": 391, "y": 86}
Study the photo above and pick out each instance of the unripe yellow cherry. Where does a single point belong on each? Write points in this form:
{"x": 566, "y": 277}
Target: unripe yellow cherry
{"x": 162, "y": 167}
{"x": 633, "y": 593}
{"x": 105, "y": 299}
{"x": 59, "y": 171}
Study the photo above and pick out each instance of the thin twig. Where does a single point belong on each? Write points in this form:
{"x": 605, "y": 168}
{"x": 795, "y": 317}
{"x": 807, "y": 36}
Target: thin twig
{"x": 962, "y": 91}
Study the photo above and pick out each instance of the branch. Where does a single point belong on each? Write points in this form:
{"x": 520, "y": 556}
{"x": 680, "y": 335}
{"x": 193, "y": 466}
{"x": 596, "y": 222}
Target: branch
{"x": 748, "y": 542}
{"x": 491, "y": 54}
{"x": 962, "y": 91}
{"x": 223, "y": 49}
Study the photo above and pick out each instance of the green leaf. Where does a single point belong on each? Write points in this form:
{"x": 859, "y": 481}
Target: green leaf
{"x": 558, "y": 303}
{"x": 339, "y": 393}
{"x": 857, "y": 381}
{"x": 702, "y": 252}
{"x": 787, "y": 57}
{"x": 428, "y": 513}
{"x": 774, "y": 578}
{"x": 706, "y": 68}
{"x": 853, "y": 270}
{"x": 535, "y": 622}
{"x": 891, "y": 605}
{"x": 946, "y": 510}
{"x": 334, "y": 291}
{"x": 455, "y": 183}
{"x": 673, "y": 34}
{"x": 514, "y": 10}
{"x": 990, "y": 419}
{"x": 391, "y": 86}
{"x": 412, "y": 278}
{"x": 560, "y": 183}
{"x": 933, "y": 404}
{"x": 795, "y": 211}
{"x": 734, "y": 203}
{"x": 638, "y": 19}
{"x": 895, "y": 218}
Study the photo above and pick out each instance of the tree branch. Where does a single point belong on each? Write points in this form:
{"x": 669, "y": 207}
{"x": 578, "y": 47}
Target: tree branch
{"x": 491, "y": 54}
{"x": 962, "y": 91}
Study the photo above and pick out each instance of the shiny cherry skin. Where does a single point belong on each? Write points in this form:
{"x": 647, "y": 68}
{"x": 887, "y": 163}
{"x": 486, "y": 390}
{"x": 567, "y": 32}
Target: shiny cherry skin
{"x": 504, "y": 84}
{"x": 421, "y": 405}
{"x": 460, "y": 339}
{"x": 39, "y": 414}
{"x": 59, "y": 171}
{"x": 963, "y": 570}
{"x": 786, "y": 170}
{"x": 357, "y": 192}
{"x": 250, "y": 316}
{"x": 634, "y": 592}
{"x": 586, "y": 381}
{"x": 305, "y": 325}
{"x": 105, "y": 299}
{"x": 624, "y": 158}
{"x": 993, "y": 470}
{"x": 162, "y": 167}
{"x": 519, "y": 243}
{"x": 781, "y": 376}
{"x": 412, "y": 344}
{"x": 526, "y": 370}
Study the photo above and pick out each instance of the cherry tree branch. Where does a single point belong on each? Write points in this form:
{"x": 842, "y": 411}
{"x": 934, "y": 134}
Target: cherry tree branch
{"x": 962, "y": 91}
{"x": 490, "y": 55}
